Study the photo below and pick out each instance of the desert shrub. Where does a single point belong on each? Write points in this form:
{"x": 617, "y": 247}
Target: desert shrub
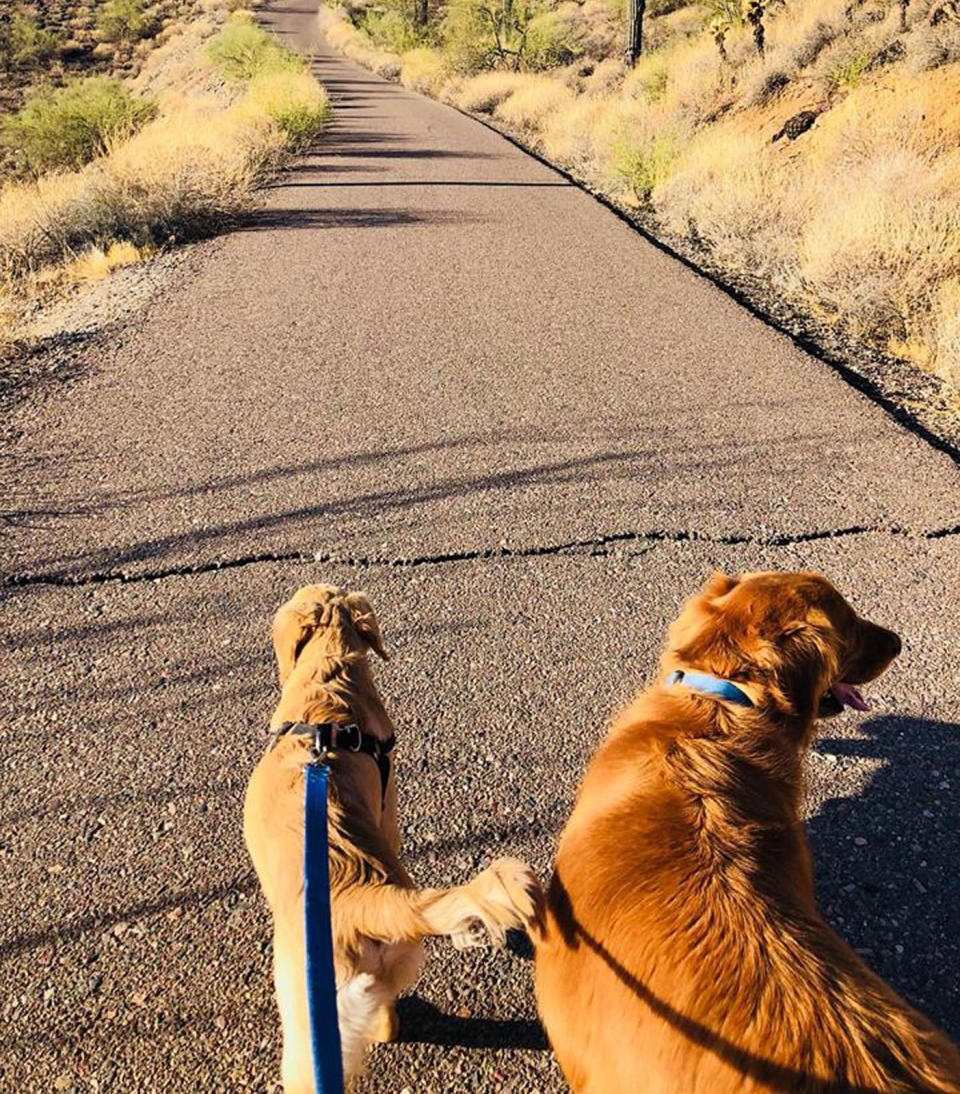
{"x": 534, "y": 99}
{"x": 580, "y": 134}
{"x": 243, "y": 50}
{"x": 469, "y": 37}
{"x": 29, "y": 43}
{"x": 184, "y": 175}
{"x": 390, "y": 29}
{"x": 551, "y": 40}
{"x": 642, "y": 161}
{"x": 648, "y": 78}
{"x": 484, "y": 92}
{"x": 179, "y": 176}
{"x": 122, "y": 20}
{"x": 294, "y": 100}
{"x": 606, "y": 77}
{"x": 69, "y": 126}
{"x": 358, "y": 45}
{"x": 846, "y": 73}
{"x": 423, "y": 69}
{"x": 503, "y": 34}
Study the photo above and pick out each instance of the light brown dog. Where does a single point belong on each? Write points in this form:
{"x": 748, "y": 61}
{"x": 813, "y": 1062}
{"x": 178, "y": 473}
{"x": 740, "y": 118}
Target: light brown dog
{"x": 683, "y": 952}
{"x": 321, "y": 638}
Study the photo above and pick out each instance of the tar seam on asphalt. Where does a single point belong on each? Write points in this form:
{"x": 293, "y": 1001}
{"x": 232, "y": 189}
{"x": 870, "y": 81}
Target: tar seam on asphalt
{"x": 595, "y": 547}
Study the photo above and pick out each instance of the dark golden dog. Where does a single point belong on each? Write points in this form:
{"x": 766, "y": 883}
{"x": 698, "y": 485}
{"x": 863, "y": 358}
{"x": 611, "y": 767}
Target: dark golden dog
{"x": 683, "y": 952}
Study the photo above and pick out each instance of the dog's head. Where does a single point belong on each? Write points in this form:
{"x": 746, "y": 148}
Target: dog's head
{"x": 324, "y": 609}
{"x": 790, "y": 640}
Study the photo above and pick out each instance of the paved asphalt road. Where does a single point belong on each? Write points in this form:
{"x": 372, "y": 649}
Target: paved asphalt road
{"x": 426, "y": 348}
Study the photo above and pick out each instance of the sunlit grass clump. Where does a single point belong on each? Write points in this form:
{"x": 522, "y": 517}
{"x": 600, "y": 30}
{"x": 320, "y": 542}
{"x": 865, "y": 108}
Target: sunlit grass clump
{"x": 294, "y": 101}
{"x": 242, "y": 51}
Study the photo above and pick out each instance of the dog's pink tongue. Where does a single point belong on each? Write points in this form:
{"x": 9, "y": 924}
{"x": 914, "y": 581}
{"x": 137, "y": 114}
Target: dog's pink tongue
{"x": 849, "y": 696}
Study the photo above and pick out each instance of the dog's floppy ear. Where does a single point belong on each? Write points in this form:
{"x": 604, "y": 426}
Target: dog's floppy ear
{"x": 719, "y": 584}
{"x": 296, "y": 621}
{"x": 365, "y": 622}
{"x": 807, "y": 661}
{"x": 291, "y": 632}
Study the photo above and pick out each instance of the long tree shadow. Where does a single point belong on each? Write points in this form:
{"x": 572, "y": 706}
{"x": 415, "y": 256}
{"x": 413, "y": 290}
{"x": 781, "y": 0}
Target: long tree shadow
{"x": 887, "y": 861}
{"x": 275, "y": 219}
{"x": 613, "y": 464}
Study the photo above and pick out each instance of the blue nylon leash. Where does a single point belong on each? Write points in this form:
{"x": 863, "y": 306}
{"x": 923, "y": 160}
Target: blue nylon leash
{"x": 710, "y": 685}
{"x": 321, "y": 981}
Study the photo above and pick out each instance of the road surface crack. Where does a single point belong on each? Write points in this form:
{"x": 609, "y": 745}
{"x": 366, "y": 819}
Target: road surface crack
{"x": 597, "y": 546}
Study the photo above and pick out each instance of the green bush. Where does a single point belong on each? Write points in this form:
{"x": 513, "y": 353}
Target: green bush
{"x": 244, "y": 50}
{"x": 123, "y": 20}
{"x": 506, "y": 34}
{"x": 71, "y": 125}
{"x": 550, "y": 41}
{"x": 391, "y": 30}
{"x": 642, "y": 162}
{"x": 468, "y": 38}
{"x": 847, "y": 72}
{"x": 30, "y": 43}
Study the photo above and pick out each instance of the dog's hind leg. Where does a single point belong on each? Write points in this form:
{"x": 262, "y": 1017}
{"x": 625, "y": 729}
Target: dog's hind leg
{"x": 400, "y": 966}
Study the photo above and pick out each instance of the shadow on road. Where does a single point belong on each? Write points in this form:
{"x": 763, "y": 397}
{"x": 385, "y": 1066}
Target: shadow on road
{"x": 274, "y": 219}
{"x": 896, "y": 897}
{"x": 423, "y": 1023}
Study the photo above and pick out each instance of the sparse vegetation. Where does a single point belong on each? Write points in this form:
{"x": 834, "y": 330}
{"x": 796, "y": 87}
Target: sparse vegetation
{"x": 687, "y": 136}
{"x": 243, "y": 50}
{"x": 29, "y": 43}
{"x": 69, "y": 126}
{"x": 124, "y": 20}
{"x": 175, "y": 156}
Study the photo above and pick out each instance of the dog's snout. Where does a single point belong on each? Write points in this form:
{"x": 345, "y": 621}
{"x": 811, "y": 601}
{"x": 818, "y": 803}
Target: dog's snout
{"x": 896, "y": 646}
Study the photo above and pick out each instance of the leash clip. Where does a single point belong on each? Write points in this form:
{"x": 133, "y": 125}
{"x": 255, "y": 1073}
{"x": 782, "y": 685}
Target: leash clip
{"x": 320, "y": 752}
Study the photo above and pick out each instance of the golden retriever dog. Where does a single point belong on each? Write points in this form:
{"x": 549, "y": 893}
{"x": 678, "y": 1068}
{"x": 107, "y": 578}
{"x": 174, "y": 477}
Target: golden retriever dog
{"x": 322, "y": 637}
{"x": 682, "y": 950}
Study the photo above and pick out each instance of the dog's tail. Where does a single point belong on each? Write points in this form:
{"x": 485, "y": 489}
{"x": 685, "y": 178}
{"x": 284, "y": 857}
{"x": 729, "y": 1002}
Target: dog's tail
{"x": 505, "y": 895}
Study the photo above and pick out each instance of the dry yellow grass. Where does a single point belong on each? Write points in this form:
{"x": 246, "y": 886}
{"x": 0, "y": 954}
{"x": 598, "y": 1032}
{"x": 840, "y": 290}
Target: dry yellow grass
{"x": 97, "y": 262}
{"x": 424, "y": 70}
{"x": 355, "y": 44}
{"x": 533, "y": 101}
{"x": 880, "y": 257}
{"x": 482, "y": 94}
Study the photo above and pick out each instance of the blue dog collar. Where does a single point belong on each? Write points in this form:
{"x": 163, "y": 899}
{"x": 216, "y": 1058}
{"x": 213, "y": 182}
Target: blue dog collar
{"x": 706, "y": 684}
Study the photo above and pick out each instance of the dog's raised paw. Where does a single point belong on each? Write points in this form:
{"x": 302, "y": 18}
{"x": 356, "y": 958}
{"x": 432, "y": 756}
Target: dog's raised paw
{"x": 515, "y": 885}
{"x": 470, "y": 935}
